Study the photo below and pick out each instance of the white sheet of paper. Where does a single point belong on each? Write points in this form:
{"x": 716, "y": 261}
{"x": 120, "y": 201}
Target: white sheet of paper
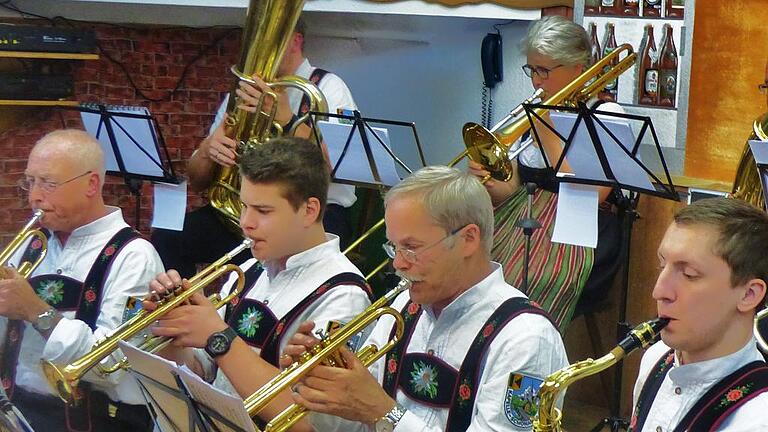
{"x": 170, "y": 206}
{"x": 576, "y": 219}
{"x": 355, "y": 166}
{"x": 171, "y": 411}
{"x": 228, "y": 406}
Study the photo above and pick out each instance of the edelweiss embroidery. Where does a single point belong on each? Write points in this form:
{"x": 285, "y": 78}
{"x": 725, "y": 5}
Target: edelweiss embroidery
{"x": 249, "y": 322}
{"x": 424, "y": 380}
{"x": 51, "y": 292}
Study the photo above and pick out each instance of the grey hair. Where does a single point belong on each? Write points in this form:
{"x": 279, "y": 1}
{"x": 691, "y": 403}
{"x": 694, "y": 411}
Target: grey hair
{"x": 453, "y": 198}
{"x": 558, "y": 38}
{"x": 76, "y": 145}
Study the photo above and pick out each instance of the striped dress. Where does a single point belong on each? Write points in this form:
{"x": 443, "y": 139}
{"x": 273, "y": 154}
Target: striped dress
{"x": 557, "y": 272}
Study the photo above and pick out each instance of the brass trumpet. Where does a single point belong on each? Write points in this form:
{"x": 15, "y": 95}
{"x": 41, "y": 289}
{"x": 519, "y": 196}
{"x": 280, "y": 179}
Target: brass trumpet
{"x": 549, "y": 417}
{"x": 27, "y": 232}
{"x": 64, "y": 379}
{"x": 327, "y": 353}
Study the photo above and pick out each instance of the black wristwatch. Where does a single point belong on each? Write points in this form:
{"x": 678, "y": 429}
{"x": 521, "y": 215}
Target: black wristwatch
{"x": 218, "y": 343}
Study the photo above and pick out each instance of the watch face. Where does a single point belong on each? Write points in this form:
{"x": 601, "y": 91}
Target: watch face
{"x": 384, "y": 425}
{"x": 218, "y": 344}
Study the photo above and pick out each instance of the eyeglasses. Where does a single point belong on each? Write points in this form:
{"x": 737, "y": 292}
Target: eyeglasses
{"x": 542, "y": 72}
{"x": 47, "y": 186}
{"x": 410, "y": 255}
{"x": 763, "y": 88}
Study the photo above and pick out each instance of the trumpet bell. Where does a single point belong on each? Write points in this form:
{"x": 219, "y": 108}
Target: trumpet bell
{"x": 66, "y": 386}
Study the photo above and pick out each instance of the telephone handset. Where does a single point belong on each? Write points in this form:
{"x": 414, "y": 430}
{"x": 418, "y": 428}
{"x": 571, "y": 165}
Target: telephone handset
{"x": 491, "y": 59}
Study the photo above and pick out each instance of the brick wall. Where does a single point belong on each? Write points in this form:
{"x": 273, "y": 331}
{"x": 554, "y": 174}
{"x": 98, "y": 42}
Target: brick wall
{"x": 155, "y": 59}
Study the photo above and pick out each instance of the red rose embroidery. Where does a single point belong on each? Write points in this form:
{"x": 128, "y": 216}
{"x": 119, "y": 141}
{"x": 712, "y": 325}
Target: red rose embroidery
{"x": 734, "y": 395}
{"x": 413, "y": 308}
{"x": 392, "y": 366}
{"x": 109, "y": 250}
{"x": 90, "y": 296}
{"x": 13, "y": 335}
{"x": 37, "y": 244}
{"x": 535, "y": 304}
{"x": 464, "y": 392}
{"x": 488, "y": 330}
{"x": 6, "y": 383}
{"x": 633, "y": 421}
{"x": 235, "y": 301}
{"x": 279, "y": 328}
{"x": 670, "y": 358}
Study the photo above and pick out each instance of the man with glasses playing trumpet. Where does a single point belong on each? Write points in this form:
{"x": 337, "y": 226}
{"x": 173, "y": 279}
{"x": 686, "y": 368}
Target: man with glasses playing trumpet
{"x": 557, "y": 52}
{"x": 94, "y": 263}
{"x": 474, "y": 350}
{"x": 305, "y": 276}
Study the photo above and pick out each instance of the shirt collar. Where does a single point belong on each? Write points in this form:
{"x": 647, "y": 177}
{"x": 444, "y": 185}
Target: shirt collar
{"x": 714, "y": 369}
{"x": 475, "y": 295}
{"x": 304, "y": 69}
{"x": 305, "y": 258}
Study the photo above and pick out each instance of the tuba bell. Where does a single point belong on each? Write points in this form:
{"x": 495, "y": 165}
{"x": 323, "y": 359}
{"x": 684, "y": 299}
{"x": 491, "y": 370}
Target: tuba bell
{"x": 29, "y": 231}
{"x": 269, "y": 26}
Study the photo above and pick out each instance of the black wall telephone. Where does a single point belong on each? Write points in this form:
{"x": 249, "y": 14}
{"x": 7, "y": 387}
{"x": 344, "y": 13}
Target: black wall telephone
{"x": 491, "y": 60}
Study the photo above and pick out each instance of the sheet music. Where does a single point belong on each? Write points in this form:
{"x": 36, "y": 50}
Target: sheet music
{"x": 170, "y": 206}
{"x": 140, "y": 157}
{"x": 171, "y": 412}
{"x": 227, "y": 406}
{"x": 576, "y": 217}
{"x": 582, "y": 156}
{"x": 355, "y": 166}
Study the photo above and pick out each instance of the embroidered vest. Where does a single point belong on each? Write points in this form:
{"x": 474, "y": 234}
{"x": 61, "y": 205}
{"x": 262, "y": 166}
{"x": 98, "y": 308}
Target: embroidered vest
{"x": 712, "y": 408}
{"x": 429, "y": 380}
{"x": 255, "y": 323}
{"x": 66, "y": 295}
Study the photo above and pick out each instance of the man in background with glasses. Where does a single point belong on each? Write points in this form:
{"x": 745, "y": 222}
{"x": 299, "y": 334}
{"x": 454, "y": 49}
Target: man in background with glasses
{"x": 94, "y": 264}
{"x": 475, "y": 350}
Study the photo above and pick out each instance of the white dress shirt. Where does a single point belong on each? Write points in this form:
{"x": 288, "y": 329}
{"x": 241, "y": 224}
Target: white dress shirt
{"x": 129, "y": 276}
{"x": 338, "y": 96}
{"x": 283, "y": 290}
{"x": 693, "y": 380}
{"x": 529, "y": 344}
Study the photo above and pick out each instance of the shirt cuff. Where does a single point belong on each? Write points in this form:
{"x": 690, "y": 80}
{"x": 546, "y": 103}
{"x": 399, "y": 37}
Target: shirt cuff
{"x": 410, "y": 422}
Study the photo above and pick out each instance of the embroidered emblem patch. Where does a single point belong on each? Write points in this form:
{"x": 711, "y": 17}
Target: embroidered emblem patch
{"x": 132, "y": 307}
{"x": 51, "y": 292}
{"x": 249, "y": 322}
{"x": 424, "y": 380}
{"x": 522, "y": 399}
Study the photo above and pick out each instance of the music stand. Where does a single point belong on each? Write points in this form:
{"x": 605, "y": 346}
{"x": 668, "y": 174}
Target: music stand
{"x": 359, "y": 132}
{"x": 133, "y": 146}
{"x": 158, "y": 381}
{"x": 615, "y": 163}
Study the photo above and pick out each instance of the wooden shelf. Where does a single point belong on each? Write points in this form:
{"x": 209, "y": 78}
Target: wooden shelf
{"x": 12, "y": 102}
{"x": 48, "y": 55}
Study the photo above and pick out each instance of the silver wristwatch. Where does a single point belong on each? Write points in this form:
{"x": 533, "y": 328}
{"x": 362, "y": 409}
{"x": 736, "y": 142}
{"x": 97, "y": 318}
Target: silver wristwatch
{"x": 390, "y": 419}
{"x": 45, "y": 320}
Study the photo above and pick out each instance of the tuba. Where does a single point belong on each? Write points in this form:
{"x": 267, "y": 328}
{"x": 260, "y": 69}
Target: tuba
{"x": 549, "y": 417}
{"x": 64, "y": 380}
{"x": 491, "y": 148}
{"x": 746, "y": 185}
{"x": 327, "y": 353}
{"x": 27, "y": 232}
{"x": 268, "y": 28}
